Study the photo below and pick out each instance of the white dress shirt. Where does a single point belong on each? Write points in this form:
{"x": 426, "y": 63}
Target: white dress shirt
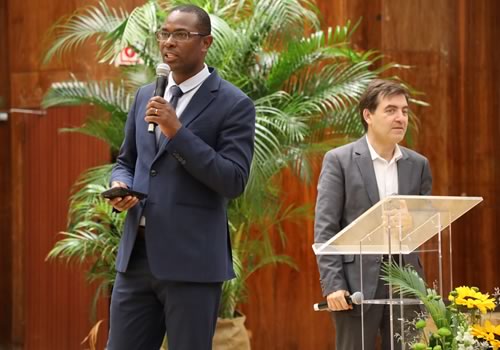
{"x": 386, "y": 172}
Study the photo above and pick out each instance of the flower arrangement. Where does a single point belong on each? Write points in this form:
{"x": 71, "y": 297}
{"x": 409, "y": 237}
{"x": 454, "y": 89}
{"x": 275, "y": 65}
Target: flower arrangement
{"x": 461, "y": 324}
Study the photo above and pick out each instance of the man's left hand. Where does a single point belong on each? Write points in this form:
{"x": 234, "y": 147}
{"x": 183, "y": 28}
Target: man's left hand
{"x": 159, "y": 111}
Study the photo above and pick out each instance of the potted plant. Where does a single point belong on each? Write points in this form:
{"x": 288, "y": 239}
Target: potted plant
{"x": 304, "y": 82}
{"x": 458, "y": 324}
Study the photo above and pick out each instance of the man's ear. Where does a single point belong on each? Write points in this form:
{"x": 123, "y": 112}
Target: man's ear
{"x": 367, "y": 116}
{"x": 207, "y": 42}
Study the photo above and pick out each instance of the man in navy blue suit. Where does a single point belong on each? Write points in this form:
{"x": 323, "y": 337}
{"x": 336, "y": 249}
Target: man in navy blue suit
{"x": 175, "y": 251}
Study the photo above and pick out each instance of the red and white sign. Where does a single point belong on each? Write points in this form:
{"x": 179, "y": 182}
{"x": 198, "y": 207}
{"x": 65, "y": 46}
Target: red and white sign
{"x": 128, "y": 57}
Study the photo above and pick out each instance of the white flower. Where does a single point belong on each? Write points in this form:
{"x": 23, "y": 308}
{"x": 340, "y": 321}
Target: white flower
{"x": 465, "y": 340}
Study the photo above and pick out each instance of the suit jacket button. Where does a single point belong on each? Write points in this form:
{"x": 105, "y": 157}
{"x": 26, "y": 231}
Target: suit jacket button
{"x": 153, "y": 173}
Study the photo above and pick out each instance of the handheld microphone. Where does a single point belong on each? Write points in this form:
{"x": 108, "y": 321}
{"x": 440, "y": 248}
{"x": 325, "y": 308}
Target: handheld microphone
{"x": 356, "y": 298}
{"x": 162, "y": 72}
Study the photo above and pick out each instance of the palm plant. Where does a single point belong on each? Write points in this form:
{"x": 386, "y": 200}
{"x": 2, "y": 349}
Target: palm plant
{"x": 305, "y": 83}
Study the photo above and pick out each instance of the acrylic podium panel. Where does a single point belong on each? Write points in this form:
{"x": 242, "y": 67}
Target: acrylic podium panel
{"x": 397, "y": 226}
{"x": 428, "y": 215}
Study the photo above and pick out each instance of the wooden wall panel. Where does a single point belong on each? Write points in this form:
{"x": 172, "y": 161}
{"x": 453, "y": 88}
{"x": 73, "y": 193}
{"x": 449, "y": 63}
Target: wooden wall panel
{"x": 5, "y": 205}
{"x": 4, "y": 57}
{"x": 30, "y": 30}
{"x": 369, "y": 13}
{"x": 474, "y": 141}
{"x": 5, "y": 236}
{"x": 56, "y": 297}
{"x": 17, "y": 224}
{"x": 50, "y": 303}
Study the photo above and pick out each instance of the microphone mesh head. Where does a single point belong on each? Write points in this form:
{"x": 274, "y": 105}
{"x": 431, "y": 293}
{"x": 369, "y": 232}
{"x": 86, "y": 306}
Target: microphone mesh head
{"x": 162, "y": 69}
{"x": 357, "y": 298}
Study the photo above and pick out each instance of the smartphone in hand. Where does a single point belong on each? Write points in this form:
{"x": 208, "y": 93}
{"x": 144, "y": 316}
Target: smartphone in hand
{"x": 122, "y": 192}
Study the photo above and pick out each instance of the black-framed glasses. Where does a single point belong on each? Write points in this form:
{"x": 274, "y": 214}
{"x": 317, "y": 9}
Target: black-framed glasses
{"x": 179, "y": 35}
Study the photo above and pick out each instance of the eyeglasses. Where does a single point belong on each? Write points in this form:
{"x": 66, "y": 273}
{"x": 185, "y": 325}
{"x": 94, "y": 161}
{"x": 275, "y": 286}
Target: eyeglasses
{"x": 180, "y": 35}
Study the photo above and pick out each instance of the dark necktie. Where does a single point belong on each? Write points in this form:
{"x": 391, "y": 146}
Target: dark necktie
{"x": 175, "y": 93}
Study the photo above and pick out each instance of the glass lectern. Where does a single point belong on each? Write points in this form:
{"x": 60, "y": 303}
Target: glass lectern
{"x": 401, "y": 225}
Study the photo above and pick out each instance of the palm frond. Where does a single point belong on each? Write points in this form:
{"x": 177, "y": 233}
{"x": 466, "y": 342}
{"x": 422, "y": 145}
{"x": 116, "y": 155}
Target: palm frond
{"x": 272, "y": 18}
{"x": 137, "y": 76}
{"x": 346, "y": 122}
{"x": 407, "y": 281}
{"x": 83, "y": 24}
{"x": 225, "y": 48}
{"x": 105, "y": 94}
{"x": 341, "y": 88}
{"x": 220, "y": 8}
{"x": 136, "y": 31}
{"x": 108, "y": 130}
{"x": 309, "y": 52}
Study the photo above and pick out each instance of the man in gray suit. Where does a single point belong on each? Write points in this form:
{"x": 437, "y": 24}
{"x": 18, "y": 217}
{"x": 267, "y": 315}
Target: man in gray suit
{"x": 175, "y": 251}
{"x": 353, "y": 178}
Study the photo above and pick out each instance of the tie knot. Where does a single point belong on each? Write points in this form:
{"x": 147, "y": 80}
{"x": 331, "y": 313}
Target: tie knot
{"x": 176, "y": 91}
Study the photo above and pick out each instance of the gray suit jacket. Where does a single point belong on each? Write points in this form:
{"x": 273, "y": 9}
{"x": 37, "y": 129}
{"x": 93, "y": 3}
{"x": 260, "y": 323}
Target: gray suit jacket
{"x": 347, "y": 188}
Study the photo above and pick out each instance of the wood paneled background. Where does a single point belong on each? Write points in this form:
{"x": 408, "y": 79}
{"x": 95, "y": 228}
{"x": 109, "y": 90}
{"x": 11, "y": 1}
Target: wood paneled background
{"x": 5, "y": 193}
{"x": 452, "y": 46}
{"x": 51, "y": 300}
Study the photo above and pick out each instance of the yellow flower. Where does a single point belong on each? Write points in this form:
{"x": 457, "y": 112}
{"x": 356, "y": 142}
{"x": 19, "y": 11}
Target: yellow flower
{"x": 470, "y": 298}
{"x": 489, "y": 332}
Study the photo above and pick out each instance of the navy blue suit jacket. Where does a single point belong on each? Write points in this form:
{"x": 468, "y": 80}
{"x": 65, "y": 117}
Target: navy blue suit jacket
{"x": 188, "y": 181}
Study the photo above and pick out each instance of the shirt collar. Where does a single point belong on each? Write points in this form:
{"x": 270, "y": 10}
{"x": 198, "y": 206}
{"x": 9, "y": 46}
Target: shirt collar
{"x": 190, "y": 83}
{"x": 374, "y": 155}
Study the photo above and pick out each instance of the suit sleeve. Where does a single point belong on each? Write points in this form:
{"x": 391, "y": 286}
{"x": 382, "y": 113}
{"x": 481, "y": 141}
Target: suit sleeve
{"x": 226, "y": 168}
{"x": 327, "y": 222}
{"x": 426, "y": 183}
{"x": 125, "y": 163}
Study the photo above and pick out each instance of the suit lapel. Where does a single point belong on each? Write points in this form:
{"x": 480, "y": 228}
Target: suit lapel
{"x": 404, "y": 173}
{"x": 198, "y": 103}
{"x": 365, "y": 166}
{"x": 201, "y": 99}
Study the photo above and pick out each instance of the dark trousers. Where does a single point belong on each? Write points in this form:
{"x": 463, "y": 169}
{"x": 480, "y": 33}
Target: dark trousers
{"x": 376, "y": 321}
{"x": 143, "y": 308}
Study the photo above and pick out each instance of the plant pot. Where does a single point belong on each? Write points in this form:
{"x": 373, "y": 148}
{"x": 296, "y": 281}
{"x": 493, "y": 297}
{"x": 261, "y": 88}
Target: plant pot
{"x": 231, "y": 334}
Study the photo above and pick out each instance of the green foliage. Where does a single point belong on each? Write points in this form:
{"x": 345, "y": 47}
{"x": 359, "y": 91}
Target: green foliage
{"x": 109, "y": 97}
{"x": 94, "y": 230}
{"x": 305, "y": 83}
{"x": 458, "y": 325}
{"x": 407, "y": 281}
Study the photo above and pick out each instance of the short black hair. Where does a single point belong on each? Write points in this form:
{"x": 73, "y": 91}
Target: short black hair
{"x": 204, "y": 24}
{"x": 377, "y": 89}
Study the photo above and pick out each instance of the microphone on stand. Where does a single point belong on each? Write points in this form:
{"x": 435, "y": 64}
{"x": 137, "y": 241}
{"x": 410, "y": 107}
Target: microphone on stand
{"x": 356, "y": 298}
{"x": 162, "y": 72}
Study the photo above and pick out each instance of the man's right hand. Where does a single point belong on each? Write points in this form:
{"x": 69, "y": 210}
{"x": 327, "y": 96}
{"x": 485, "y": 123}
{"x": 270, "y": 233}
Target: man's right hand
{"x": 337, "y": 302}
{"x": 120, "y": 203}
